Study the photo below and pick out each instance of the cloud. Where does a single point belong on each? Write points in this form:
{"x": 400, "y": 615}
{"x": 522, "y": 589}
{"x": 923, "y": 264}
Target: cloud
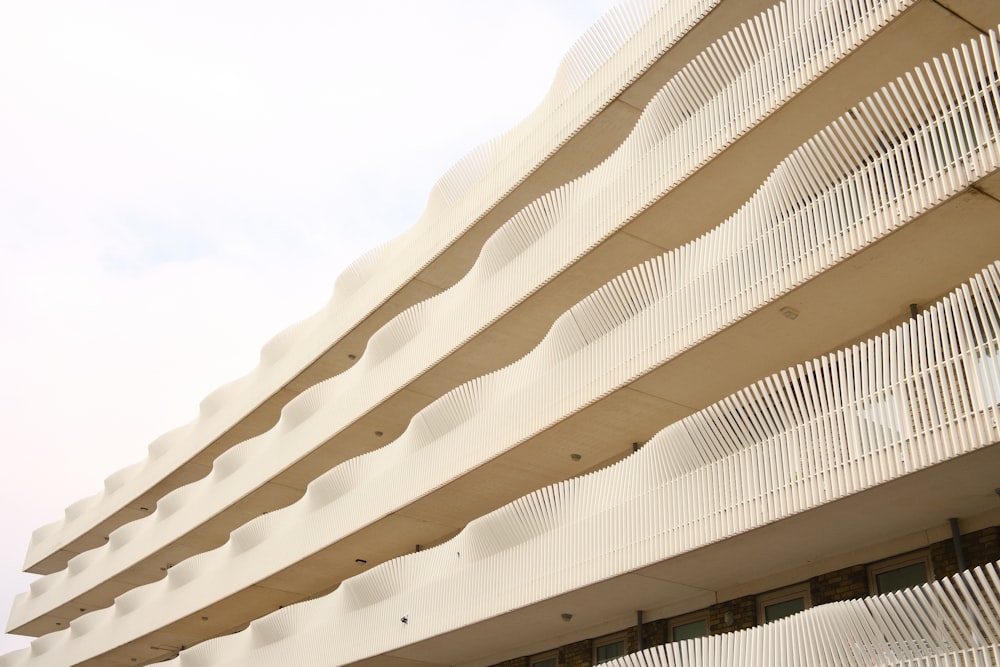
{"x": 181, "y": 181}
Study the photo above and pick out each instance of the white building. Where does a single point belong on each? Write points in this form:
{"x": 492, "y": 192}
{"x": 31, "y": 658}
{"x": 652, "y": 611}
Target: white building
{"x": 741, "y": 251}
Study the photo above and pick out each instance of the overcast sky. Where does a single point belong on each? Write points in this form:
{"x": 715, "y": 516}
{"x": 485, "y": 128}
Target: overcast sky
{"x": 181, "y": 180}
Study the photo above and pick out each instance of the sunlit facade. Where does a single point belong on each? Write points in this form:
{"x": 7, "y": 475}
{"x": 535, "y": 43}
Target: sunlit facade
{"x": 697, "y": 365}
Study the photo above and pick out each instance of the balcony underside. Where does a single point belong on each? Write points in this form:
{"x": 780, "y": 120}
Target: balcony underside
{"x": 686, "y": 211}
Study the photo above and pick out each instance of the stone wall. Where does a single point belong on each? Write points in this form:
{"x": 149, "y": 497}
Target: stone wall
{"x": 732, "y": 615}
{"x": 980, "y": 547}
{"x": 515, "y": 662}
{"x": 846, "y": 584}
{"x": 580, "y": 654}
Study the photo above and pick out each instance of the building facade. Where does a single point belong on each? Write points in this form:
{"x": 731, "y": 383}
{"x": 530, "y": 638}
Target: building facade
{"x": 700, "y": 364}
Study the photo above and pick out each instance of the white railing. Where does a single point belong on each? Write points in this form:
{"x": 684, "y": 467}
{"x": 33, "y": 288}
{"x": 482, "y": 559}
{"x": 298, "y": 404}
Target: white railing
{"x": 668, "y": 144}
{"x": 714, "y": 475}
{"x": 600, "y": 65}
{"x": 948, "y": 623}
{"x": 635, "y": 323}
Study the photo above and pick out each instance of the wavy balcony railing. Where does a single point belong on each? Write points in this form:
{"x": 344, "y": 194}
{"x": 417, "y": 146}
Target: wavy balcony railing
{"x": 600, "y": 65}
{"x": 800, "y": 439}
{"x": 796, "y": 227}
{"x": 680, "y": 130}
{"x": 948, "y": 623}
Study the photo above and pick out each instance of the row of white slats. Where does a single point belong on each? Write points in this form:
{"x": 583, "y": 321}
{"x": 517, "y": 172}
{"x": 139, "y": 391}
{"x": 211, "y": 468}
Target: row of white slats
{"x": 527, "y": 252}
{"x": 754, "y": 486}
{"x": 596, "y": 70}
{"x": 584, "y": 530}
{"x": 944, "y": 623}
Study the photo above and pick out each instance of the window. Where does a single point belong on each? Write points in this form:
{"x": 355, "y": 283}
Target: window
{"x": 900, "y": 572}
{"x": 782, "y": 602}
{"x": 987, "y": 367}
{"x": 986, "y": 359}
{"x": 609, "y": 648}
{"x": 688, "y": 627}
{"x": 877, "y": 421}
{"x": 550, "y": 659}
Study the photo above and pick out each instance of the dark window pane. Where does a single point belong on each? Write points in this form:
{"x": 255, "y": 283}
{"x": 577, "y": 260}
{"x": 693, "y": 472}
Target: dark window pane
{"x": 690, "y": 630}
{"x": 610, "y": 651}
{"x": 548, "y": 662}
{"x": 902, "y": 577}
{"x": 773, "y": 612}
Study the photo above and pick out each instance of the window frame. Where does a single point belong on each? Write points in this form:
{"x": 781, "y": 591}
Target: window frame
{"x": 541, "y": 657}
{"x": 693, "y": 617}
{"x": 878, "y": 422}
{"x": 984, "y": 379}
{"x": 896, "y": 563}
{"x": 779, "y": 595}
{"x": 607, "y": 640}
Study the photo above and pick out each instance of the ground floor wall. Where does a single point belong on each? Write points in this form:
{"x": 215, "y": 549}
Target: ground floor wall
{"x": 940, "y": 560}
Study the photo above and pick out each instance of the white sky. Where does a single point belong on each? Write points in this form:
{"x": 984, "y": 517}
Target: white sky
{"x": 181, "y": 180}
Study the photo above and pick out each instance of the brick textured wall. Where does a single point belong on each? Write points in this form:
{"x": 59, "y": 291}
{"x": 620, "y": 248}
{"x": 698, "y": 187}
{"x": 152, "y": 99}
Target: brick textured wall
{"x": 654, "y": 633}
{"x": 846, "y": 584}
{"x": 580, "y": 654}
{"x": 731, "y": 615}
{"x": 980, "y": 547}
{"x": 632, "y": 640}
{"x": 516, "y": 662}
